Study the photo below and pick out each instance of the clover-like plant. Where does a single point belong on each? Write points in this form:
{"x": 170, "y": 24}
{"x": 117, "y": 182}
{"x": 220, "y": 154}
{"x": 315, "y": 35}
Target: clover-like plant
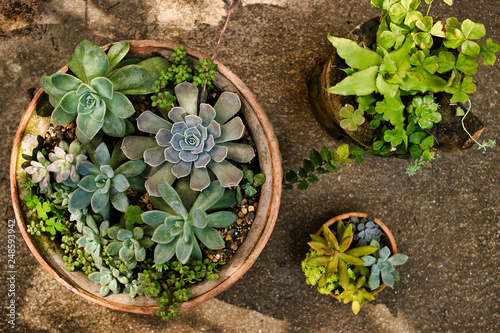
{"x": 337, "y": 253}
{"x": 104, "y": 182}
{"x": 382, "y": 266}
{"x": 96, "y": 94}
{"x": 178, "y": 230}
{"x": 64, "y": 160}
{"x": 356, "y": 294}
{"x": 39, "y": 172}
{"x": 129, "y": 245}
{"x": 196, "y": 141}
{"x": 351, "y": 118}
{"x": 109, "y": 280}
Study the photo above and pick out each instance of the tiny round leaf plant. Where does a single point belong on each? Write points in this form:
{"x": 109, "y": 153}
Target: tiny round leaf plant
{"x": 197, "y": 139}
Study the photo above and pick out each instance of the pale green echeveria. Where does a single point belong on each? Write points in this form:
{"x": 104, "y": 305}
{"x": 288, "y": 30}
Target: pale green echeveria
{"x": 104, "y": 182}
{"x": 61, "y": 194}
{"x": 178, "y": 231}
{"x": 382, "y": 266}
{"x": 197, "y": 140}
{"x": 93, "y": 239}
{"x": 39, "y": 173}
{"x": 129, "y": 245}
{"x": 96, "y": 96}
{"x": 64, "y": 160}
{"x": 110, "y": 280}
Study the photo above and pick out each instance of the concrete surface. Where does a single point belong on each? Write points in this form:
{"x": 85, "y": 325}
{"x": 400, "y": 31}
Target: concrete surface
{"x": 446, "y": 218}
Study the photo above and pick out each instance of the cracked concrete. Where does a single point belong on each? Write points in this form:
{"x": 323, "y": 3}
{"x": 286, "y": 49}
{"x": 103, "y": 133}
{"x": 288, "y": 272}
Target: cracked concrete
{"x": 446, "y": 218}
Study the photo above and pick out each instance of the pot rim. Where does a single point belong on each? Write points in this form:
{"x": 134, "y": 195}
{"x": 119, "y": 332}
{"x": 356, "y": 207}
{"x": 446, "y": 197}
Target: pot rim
{"x": 270, "y": 216}
{"x": 390, "y": 238}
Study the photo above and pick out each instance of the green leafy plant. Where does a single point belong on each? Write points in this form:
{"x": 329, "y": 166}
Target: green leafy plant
{"x": 397, "y": 80}
{"x": 198, "y": 139}
{"x": 129, "y": 245}
{"x": 356, "y": 294}
{"x": 95, "y": 96}
{"x": 382, "y": 266}
{"x": 178, "y": 230}
{"x": 250, "y": 183}
{"x": 320, "y": 163}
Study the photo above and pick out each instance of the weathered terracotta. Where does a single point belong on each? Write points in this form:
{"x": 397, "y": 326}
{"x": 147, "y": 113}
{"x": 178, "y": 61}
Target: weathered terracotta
{"x": 391, "y": 242}
{"x": 50, "y": 255}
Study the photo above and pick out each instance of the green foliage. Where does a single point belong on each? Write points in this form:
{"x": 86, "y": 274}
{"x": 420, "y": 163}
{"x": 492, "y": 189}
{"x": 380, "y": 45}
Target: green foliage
{"x": 178, "y": 232}
{"x": 320, "y": 163}
{"x": 336, "y": 253}
{"x": 180, "y": 71}
{"x": 356, "y": 294}
{"x": 396, "y": 77}
{"x": 95, "y": 96}
{"x": 250, "y": 183}
{"x": 51, "y": 219}
{"x": 133, "y": 215}
{"x": 382, "y": 266}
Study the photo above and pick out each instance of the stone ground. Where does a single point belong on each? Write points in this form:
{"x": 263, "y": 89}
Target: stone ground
{"x": 446, "y": 218}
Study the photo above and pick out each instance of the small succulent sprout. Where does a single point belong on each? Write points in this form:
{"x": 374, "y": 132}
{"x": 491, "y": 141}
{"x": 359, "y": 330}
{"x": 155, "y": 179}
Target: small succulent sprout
{"x": 366, "y": 230}
{"x": 129, "y": 245}
{"x": 177, "y": 231}
{"x": 96, "y": 96}
{"x": 39, "y": 172}
{"x": 110, "y": 280}
{"x": 356, "y": 294}
{"x": 382, "y": 266}
{"x": 64, "y": 160}
{"x": 93, "y": 240}
{"x": 336, "y": 254}
{"x": 103, "y": 183}
{"x": 61, "y": 194}
{"x": 196, "y": 140}
{"x": 425, "y": 111}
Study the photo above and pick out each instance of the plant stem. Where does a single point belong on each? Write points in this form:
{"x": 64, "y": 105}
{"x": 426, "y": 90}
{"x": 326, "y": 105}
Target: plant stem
{"x": 204, "y": 90}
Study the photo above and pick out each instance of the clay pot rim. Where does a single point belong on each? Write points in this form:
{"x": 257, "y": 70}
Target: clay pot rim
{"x": 271, "y": 214}
{"x": 390, "y": 238}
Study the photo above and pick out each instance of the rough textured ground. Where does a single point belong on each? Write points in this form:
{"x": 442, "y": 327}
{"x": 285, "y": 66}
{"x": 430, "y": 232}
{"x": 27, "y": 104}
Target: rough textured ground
{"x": 446, "y": 218}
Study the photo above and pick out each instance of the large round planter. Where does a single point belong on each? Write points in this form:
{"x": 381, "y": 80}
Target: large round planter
{"x": 390, "y": 241}
{"x": 50, "y": 254}
{"x": 326, "y": 106}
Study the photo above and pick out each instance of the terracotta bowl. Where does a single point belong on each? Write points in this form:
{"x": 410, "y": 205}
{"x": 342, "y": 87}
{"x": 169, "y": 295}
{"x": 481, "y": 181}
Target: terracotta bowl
{"x": 391, "y": 242}
{"x": 49, "y": 254}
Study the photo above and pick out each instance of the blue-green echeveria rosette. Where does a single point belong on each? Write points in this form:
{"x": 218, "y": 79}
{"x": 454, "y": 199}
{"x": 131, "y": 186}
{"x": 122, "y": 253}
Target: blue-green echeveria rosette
{"x": 198, "y": 139}
{"x": 178, "y": 231}
{"x": 96, "y": 96}
{"x": 104, "y": 182}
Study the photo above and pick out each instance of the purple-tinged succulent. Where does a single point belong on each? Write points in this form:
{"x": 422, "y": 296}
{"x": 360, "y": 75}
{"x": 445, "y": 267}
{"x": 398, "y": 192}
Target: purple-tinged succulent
{"x": 39, "y": 172}
{"x": 198, "y": 139}
{"x": 64, "y": 160}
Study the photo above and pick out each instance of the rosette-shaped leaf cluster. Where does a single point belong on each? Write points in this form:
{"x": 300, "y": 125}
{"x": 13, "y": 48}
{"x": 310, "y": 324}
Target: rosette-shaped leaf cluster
{"x": 61, "y": 194}
{"x": 356, "y": 294}
{"x": 365, "y": 230}
{"x": 382, "y": 266}
{"x": 64, "y": 160}
{"x": 93, "y": 239}
{"x": 177, "y": 231}
{"x": 129, "y": 245}
{"x": 39, "y": 172}
{"x": 336, "y": 254}
{"x": 109, "y": 280}
{"x": 104, "y": 182}
{"x": 96, "y": 96}
{"x": 195, "y": 141}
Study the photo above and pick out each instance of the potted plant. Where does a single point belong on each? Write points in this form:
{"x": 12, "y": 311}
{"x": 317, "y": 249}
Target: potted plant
{"x": 353, "y": 260}
{"x": 126, "y": 176}
{"x": 399, "y": 84}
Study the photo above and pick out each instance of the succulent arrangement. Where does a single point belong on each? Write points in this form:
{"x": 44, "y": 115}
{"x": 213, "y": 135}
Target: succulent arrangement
{"x": 399, "y": 79}
{"x": 165, "y": 189}
{"x": 339, "y": 266}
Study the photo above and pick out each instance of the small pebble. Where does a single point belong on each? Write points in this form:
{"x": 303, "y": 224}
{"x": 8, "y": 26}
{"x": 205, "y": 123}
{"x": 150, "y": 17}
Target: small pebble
{"x": 209, "y": 256}
{"x": 244, "y": 210}
{"x": 228, "y": 237}
{"x": 149, "y": 206}
{"x": 251, "y": 208}
{"x": 239, "y": 221}
{"x": 234, "y": 247}
{"x": 240, "y": 214}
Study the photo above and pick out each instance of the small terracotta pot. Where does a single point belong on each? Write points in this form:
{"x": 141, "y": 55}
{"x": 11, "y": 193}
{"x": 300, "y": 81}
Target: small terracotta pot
{"x": 391, "y": 242}
{"x": 49, "y": 254}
